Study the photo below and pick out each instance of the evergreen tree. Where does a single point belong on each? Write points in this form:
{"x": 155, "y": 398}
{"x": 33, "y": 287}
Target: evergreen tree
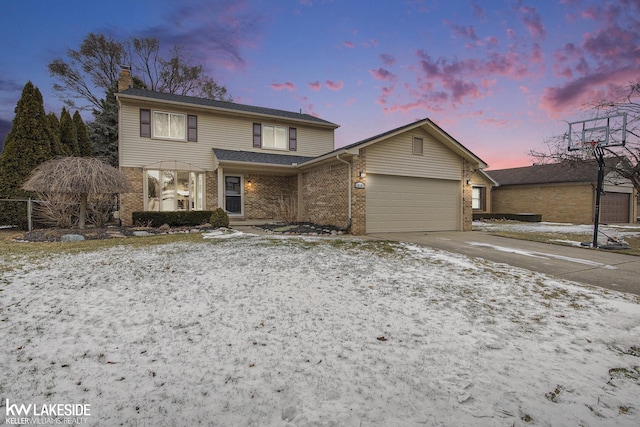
{"x": 27, "y": 145}
{"x": 68, "y": 134}
{"x": 104, "y": 129}
{"x": 54, "y": 126}
{"x": 84, "y": 143}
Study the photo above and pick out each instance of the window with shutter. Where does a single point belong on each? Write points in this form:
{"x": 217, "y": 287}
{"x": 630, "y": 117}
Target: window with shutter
{"x": 192, "y": 130}
{"x": 145, "y": 123}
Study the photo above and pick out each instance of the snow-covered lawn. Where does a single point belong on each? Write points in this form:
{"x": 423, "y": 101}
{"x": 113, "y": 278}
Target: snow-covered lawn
{"x": 615, "y": 231}
{"x": 262, "y": 331}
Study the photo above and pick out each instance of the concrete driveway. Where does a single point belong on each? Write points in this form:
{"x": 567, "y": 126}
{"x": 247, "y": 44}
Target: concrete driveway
{"x": 593, "y": 267}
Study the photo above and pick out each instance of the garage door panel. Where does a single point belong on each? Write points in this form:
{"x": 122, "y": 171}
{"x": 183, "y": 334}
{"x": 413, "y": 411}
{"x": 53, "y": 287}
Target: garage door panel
{"x": 396, "y": 203}
{"x": 615, "y": 207}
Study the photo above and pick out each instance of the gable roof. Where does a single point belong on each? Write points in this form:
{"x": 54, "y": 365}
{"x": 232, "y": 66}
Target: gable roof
{"x": 261, "y": 158}
{"x": 223, "y": 106}
{"x": 550, "y": 173}
{"x": 428, "y": 126}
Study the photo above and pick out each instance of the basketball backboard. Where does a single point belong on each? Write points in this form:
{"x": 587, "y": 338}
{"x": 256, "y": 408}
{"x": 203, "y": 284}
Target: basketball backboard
{"x": 609, "y": 131}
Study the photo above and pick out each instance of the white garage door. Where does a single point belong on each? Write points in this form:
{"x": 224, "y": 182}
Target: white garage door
{"x": 399, "y": 203}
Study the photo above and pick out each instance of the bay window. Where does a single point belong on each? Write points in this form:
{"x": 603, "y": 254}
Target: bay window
{"x": 174, "y": 190}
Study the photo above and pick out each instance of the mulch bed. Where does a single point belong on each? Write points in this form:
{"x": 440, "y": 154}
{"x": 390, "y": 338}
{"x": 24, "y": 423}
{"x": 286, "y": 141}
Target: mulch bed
{"x": 55, "y": 234}
{"x": 301, "y": 228}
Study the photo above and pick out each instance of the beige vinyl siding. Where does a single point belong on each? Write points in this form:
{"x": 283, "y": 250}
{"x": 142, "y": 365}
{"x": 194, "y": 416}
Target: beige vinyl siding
{"x": 395, "y": 157}
{"x": 214, "y": 130}
{"x": 400, "y": 203}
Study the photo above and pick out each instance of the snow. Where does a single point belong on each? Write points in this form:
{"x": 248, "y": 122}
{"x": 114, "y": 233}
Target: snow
{"x": 614, "y": 230}
{"x": 263, "y": 330}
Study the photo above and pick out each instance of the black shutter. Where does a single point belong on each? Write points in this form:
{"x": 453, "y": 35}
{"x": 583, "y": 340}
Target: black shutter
{"x": 145, "y": 123}
{"x": 293, "y": 139}
{"x": 192, "y": 128}
{"x": 257, "y": 135}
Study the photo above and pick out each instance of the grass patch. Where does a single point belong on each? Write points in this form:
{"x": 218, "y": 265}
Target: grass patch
{"x": 16, "y": 254}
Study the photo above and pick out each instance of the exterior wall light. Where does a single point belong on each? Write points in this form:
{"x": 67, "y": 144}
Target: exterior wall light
{"x": 362, "y": 174}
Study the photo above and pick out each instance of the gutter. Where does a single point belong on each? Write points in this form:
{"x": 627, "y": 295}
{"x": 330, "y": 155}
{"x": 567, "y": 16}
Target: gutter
{"x": 348, "y": 226}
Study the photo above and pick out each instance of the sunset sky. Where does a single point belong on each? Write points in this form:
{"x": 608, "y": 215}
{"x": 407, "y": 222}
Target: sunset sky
{"x": 499, "y": 76}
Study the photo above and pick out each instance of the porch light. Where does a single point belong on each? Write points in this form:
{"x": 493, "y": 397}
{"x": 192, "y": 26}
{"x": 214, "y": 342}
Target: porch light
{"x": 468, "y": 182}
{"x": 362, "y": 174}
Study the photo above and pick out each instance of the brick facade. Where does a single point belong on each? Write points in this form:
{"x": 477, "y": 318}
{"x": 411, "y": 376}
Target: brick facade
{"x": 325, "y": 195}
{"x": 134, "y": 201}
{"x": 467, "y": 205}
{"x": 359, "y": 195}
{"x": 549, "y": 200}
{"x": 270, "y": 196}
{"x": 211, "y": 191}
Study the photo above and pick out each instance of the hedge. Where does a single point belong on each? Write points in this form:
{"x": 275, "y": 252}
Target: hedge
{"x": 525, "y": 217}
{"x": 174, "y": 219}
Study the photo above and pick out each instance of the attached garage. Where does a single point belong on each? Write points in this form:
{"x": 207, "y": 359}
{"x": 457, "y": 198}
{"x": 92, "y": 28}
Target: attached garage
{"x": 402, "y": 203}
{"x": 615, "y": 208}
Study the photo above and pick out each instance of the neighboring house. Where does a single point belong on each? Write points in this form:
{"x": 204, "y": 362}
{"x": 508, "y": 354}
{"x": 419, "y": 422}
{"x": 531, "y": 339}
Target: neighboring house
{"x": 185, "y": 153}
{"x": 481, "y": 187}
{"x": 564, "y": 193}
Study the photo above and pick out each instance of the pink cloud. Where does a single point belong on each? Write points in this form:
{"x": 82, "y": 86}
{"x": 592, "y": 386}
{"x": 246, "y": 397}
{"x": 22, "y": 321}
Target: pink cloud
{"x": 533, "y": 23}
{"x": 382, "y": 74}
{"x": 348, "y": 44}
{"x": 468, "y": 32}
{"x": 387, "y": 59}
{"x": 594, "y": 87}
{"x": 492, "y": 41}
{"x": 315, "y": 86}
{"x": 280, "y": 86}
{"x": 479, "y": 12}
{"x": 350, "y": 102}
{"x": 334, "y": 85}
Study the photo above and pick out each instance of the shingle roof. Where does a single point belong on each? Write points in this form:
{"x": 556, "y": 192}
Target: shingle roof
{"x": 549, "y": 173}
{"x": 223, "y": 105}
{"x": 264, "y": 158}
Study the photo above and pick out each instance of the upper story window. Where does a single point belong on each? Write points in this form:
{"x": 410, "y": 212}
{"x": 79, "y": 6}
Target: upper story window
{"x": 418, "y": 146}
{"x": 168, "y": 125}
{"x": 275, "y": 137}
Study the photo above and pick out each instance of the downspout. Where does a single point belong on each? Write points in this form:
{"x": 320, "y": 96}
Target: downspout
{"x": 348, "y": 226}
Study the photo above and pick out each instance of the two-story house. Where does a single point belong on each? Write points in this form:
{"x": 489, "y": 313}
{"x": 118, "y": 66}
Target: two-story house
{"x": 186, "y": 153}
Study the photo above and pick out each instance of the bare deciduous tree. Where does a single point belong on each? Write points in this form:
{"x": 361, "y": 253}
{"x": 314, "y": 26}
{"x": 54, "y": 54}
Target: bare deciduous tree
{"x": 626, "y": 101}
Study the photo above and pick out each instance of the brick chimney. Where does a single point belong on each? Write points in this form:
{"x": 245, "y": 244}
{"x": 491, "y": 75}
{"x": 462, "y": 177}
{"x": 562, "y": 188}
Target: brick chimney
{"x": 124, "y": 79}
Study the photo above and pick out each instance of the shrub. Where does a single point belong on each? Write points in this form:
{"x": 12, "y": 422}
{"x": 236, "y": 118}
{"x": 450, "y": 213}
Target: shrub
{"x": 219, "y": 218}
{"x": 174, "y": 219}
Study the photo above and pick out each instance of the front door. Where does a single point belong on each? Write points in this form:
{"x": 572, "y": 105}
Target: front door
{"x": 233, "y": 194}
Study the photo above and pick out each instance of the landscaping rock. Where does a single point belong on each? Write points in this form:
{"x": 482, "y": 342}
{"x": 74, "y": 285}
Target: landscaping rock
{"x": 72, "y": 238}
{"x": 141, "y": 233}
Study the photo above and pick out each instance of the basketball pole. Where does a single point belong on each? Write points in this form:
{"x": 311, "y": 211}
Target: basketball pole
{"x": 599, "y": 154}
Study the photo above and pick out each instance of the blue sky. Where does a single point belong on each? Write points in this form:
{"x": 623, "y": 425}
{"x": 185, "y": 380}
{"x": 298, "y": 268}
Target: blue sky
{"x": 499, "y": 76}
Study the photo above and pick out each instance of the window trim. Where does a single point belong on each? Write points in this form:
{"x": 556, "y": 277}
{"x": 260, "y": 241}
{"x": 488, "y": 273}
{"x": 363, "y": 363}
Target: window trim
{"x": 194, "y": 193}
{"x": 169, "y": 113}
{"x": 290, "y": 141}
{"x": 482, "y": 195}
{"x": 414, "y": 140}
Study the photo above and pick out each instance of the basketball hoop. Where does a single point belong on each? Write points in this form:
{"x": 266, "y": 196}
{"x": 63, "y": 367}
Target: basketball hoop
{"x": 592, "y": 137}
